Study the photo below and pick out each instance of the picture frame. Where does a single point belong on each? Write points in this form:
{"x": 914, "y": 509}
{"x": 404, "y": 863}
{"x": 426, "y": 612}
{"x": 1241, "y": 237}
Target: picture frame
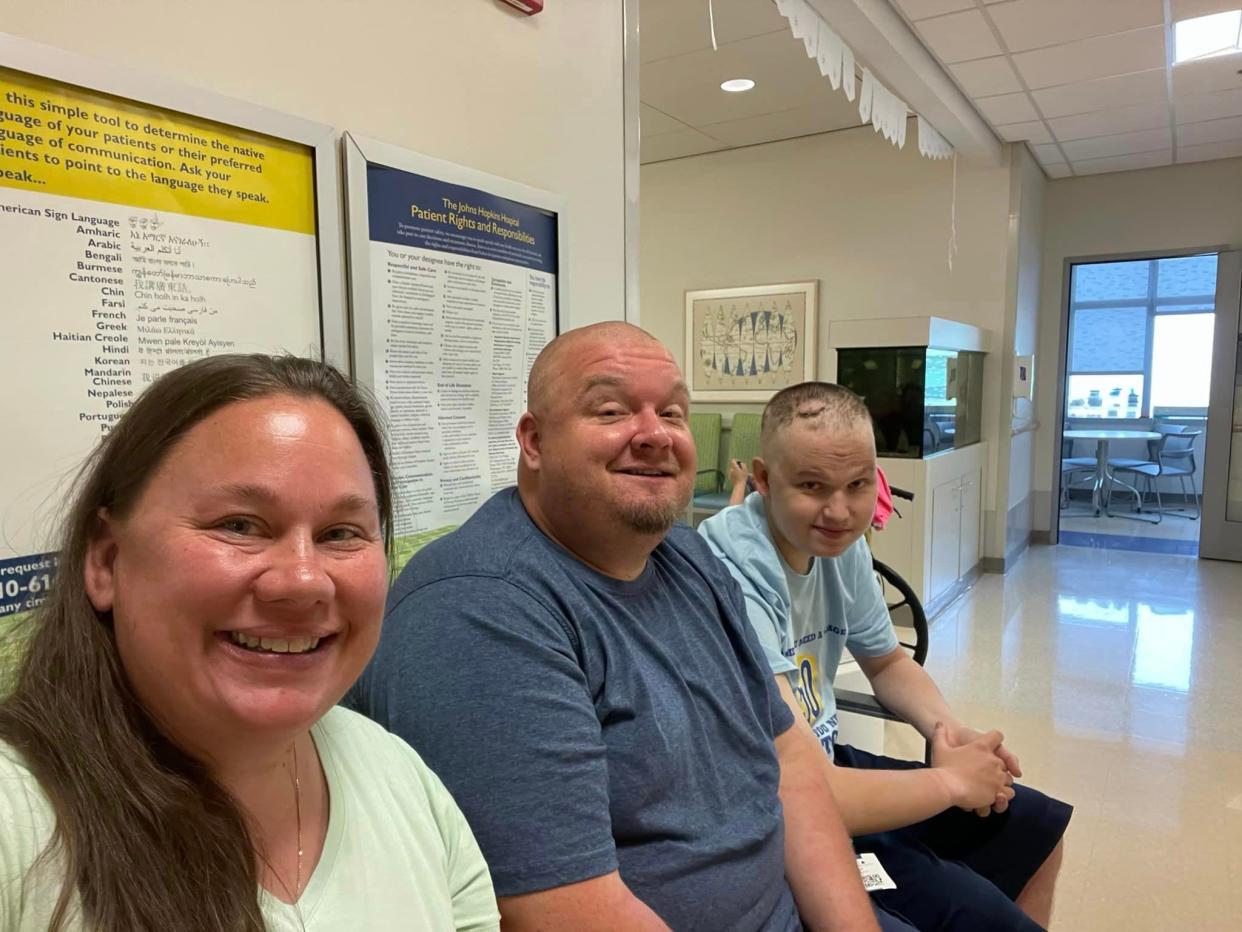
{"x": 745, "y": 344}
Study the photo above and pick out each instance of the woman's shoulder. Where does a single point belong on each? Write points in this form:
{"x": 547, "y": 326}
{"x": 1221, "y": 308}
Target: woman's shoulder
{"x": 382, "y": 774}
{"x": 28, "y": 820}
{"x": 364, "y": 750}
{"x": 23, "y": 803}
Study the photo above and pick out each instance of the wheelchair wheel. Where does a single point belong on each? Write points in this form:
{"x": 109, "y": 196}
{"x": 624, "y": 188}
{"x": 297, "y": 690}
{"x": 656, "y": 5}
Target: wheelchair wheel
{"x": 906, "y": 610}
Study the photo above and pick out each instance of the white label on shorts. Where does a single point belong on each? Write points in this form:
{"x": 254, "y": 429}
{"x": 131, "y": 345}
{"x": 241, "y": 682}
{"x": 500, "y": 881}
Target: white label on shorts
{"x": 874, "y": 876}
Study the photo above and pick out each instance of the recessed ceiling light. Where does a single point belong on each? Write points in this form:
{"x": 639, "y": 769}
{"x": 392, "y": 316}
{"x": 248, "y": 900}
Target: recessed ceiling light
{"x": 737, "y": 85}
{"x": 1207, "y": 36}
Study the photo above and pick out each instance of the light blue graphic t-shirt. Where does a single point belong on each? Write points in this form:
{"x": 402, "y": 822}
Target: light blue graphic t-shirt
{"x": 803, "y": 621}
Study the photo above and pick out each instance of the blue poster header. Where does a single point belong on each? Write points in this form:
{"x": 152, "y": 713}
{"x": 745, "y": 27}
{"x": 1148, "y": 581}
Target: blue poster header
{"x": 413, "y": 210}
{"x": 24, "y": 581}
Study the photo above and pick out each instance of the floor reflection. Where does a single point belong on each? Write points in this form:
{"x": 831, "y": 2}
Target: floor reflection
{"x": 1114, "y": 676}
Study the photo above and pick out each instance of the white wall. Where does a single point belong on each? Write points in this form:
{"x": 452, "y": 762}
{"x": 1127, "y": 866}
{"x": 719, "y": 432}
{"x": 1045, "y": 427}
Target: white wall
{"x": 1016, "y": 457}
{"x": 869, "y": 221}
{"x": 1179, "y": 207}
{"x": 538, "y": 100}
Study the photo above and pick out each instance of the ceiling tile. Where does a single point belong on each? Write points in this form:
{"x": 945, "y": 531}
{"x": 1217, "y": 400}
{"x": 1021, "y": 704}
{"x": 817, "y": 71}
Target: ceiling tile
{"x": 1034, "y": 132}
{"x": 986, "y": 77}
{"x": 1213, "y": 150}
{"x": 1087, "y": 59}
{"x": 1049, "y": 153}
{"x": 785, "y": 124}
{"x": 687, "y": 87}
{"x": 1033, "y": 24}
{"x": 1197, "y": 134}
{"x": 921, "y": 9}
{"x": 1189, "y": 9}
{"x": 1110, "y": 122}
{"x": 1208, "y": 75}
{"x": 654, "y": 123}
{"x": 959, "y": 36}
{"x": 1102, "y": 94}
{"x": 677, "y": 145}
{"x": 676, "y": 27}
{"x": 1208, "y": 106}
{"x": 1057, "y": 170}
{"x": 1124, "y": 163}
{"x": 1007, "y": 108}
{"x": 1122, "y": 144}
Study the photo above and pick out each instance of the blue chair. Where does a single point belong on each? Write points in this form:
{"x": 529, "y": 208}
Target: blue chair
{"x": 1172, "y": 455}
{"x": 1071, "y": 466}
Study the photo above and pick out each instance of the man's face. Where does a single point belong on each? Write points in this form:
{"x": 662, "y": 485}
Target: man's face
{"x": 614, "y": 444}
{"x": 819, "y": 485}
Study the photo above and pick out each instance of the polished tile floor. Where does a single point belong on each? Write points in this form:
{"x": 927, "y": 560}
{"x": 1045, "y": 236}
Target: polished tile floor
{"x": 1117, "y": 678}
{"x": 1171, "y": 527}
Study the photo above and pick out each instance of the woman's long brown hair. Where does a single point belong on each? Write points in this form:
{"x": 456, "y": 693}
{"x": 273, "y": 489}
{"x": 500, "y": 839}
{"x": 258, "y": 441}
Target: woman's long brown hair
{"x": 148, "y": 840}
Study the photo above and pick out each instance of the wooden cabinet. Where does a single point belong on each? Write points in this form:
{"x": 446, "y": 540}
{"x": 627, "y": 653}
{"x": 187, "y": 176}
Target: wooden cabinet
{"x": 945, "y": 536}
{"x": 956, "y": 512}
{"x": 937, "y": 544}
{"x": 971, "y": 524}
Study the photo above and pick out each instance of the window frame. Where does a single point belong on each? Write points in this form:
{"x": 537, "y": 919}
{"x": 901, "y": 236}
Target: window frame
{"x": 1155, "y": 306}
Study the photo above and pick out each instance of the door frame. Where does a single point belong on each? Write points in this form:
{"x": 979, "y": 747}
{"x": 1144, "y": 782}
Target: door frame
{"x": 1220, "y": 539}
{"x": 1063, "y": 336}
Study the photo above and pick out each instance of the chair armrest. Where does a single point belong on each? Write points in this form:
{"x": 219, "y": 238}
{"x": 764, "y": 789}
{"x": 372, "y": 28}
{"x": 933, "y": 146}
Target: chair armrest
{"x": 849, "y": 700}
{"x": 720, "y": 477}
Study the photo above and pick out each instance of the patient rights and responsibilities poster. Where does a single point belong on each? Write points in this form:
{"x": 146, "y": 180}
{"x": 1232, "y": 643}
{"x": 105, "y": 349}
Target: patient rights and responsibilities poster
{"x": 134, "y": 239}
{"x": 463, "y": 296}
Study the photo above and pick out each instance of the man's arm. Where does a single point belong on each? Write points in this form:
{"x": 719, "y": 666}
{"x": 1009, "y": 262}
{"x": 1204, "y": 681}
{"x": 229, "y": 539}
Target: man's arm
{"x": 879, "y": 800}
{"x": 905, "y": 687}
{"x": 601, "y": 904}
{"x": 819, "y": 860}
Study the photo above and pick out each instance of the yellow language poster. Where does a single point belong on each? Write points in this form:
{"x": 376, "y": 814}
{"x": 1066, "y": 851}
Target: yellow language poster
{"x": 135, "y": 239}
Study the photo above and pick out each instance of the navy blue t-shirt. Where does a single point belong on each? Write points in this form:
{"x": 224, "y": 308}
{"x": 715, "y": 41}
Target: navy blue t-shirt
{"x": 586, "y": 724}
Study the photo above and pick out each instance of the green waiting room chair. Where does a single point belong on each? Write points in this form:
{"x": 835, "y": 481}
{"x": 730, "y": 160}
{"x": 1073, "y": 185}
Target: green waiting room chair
{"x": 711, "y": 490}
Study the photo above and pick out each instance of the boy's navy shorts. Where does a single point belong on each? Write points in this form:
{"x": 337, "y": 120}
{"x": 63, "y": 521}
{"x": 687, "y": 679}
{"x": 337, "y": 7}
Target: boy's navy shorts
{"x": 956, "y": 870}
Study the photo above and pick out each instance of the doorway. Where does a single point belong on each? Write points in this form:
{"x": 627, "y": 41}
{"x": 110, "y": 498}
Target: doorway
{"x": 1136, "y": 393}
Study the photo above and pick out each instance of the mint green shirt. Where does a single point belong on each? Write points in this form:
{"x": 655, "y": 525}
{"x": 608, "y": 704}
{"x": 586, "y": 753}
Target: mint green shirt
{"x": 398, "y": 853}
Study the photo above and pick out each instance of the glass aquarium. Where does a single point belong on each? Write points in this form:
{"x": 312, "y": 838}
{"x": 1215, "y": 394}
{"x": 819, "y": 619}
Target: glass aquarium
{"x": 922, "y": 400}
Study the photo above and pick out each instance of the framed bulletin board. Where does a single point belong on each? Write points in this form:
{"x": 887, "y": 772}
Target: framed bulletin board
{"x": 457, "y": 281}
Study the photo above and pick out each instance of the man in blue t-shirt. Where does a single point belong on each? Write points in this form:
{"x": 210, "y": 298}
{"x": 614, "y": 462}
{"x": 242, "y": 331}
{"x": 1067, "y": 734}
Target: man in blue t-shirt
{"x": 796, "y": 547}
{"x": 581, "y": 675}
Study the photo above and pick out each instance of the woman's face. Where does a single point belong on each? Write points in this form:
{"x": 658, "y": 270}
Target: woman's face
{"x": 247, "y": 585}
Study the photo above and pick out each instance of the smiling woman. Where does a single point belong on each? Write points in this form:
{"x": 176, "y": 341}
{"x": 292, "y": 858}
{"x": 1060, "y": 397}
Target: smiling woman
{"x": 222, "y": 580}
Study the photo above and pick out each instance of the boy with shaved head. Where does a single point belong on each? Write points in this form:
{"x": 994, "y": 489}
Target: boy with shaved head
{"x": 967, "y": 848}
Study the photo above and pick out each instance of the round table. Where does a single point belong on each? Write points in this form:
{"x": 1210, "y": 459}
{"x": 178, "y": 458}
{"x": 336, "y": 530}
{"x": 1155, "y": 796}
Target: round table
{"x": 1104, "y": 478}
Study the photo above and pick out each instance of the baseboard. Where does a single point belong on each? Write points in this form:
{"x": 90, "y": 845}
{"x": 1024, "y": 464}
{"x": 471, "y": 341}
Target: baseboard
{"x": 1041, "y": 537}
{"x": 1002, "y": 565}
{"x": 954, "y": 592}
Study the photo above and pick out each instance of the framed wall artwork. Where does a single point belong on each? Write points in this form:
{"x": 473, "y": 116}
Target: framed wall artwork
{"x": 746, "y": 344}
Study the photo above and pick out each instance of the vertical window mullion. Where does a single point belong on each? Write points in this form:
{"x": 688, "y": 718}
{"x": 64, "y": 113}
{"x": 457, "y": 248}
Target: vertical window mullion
{"x": 1146, "y": 410}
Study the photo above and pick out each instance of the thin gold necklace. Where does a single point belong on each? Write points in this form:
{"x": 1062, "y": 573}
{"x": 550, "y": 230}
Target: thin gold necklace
{"x": 297, "y": 804}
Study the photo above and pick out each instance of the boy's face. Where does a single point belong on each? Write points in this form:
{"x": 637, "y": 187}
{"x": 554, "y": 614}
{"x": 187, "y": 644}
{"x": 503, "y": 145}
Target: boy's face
{"x": 819, "y": 485}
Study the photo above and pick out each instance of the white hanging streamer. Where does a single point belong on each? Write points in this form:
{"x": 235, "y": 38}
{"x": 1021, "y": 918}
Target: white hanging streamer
{"x": 931, "y": 144}
{"x": 878, "y": 105}
{"x": 829, "y": 54}
{"x": 711, "y": 22}
{"x": 847, "y": 70}
{"x": 953, "y": 216}
{"x": 883, "y": 109}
